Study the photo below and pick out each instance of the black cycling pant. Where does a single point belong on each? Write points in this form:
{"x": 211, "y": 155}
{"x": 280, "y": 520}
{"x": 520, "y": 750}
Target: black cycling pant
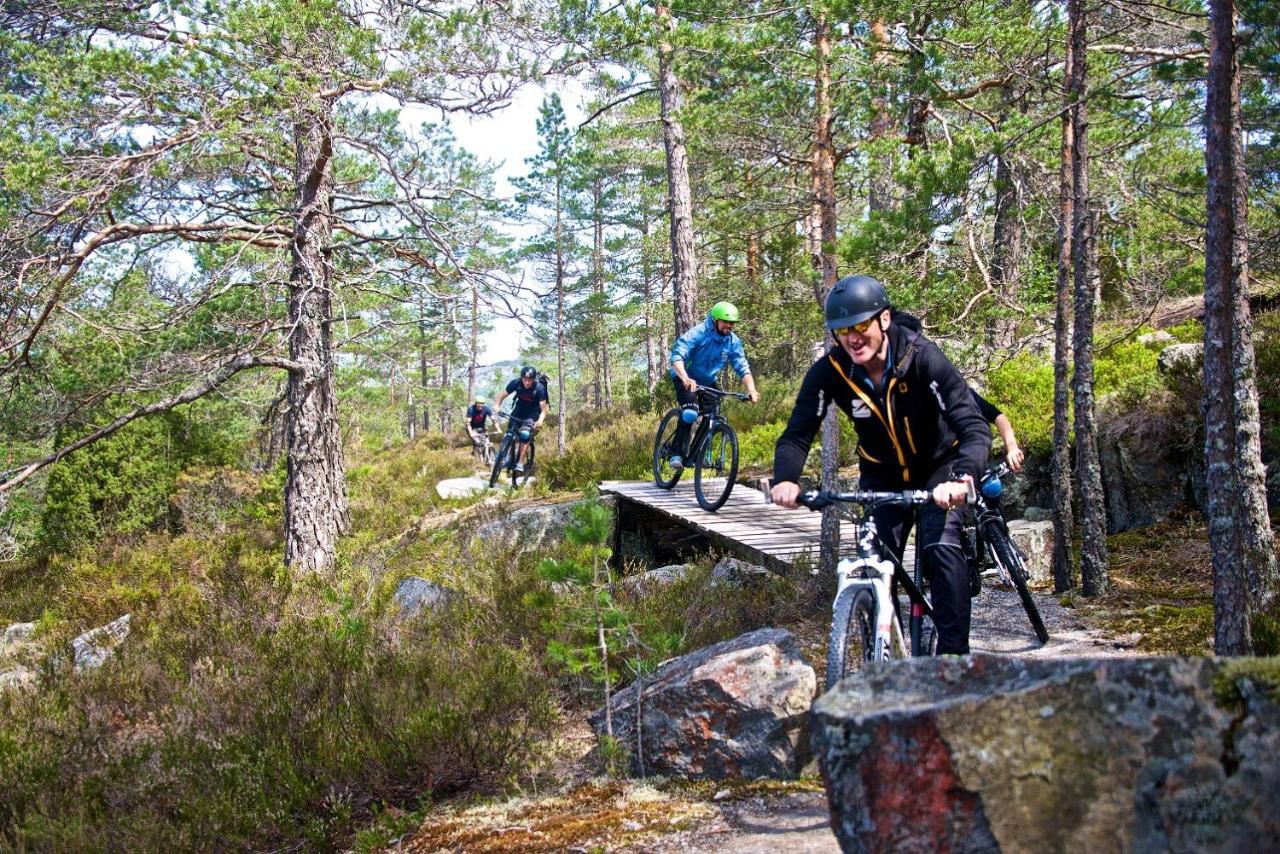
{"x": 685, "y": 397}
{"x": 944, "y": 564}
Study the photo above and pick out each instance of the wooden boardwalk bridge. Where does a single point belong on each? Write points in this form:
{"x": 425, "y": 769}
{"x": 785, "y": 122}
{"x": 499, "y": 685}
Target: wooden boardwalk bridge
{"x": 767, "y": 535}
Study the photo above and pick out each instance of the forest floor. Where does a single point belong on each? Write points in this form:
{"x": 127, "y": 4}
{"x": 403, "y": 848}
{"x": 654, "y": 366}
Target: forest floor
{"x": 572, "y": 808}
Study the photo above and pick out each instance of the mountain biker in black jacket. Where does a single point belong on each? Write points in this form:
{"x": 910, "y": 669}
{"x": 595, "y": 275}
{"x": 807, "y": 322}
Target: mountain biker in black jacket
{"x": 918, "y": 428}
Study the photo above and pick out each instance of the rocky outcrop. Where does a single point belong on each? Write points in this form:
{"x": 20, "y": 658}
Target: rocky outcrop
{"x": 663, "y": 576}
{"x": 1182, "y": 361}
{"x": 416, "y": 596}
{"x": 733, "y": 572}
{"x": 1145, "y": 456}
{"x": 1035, "y": 541}
{"x": 735, "y": 709}
{"x": 95, "y": 646}
{"x": 991, "y": 753}
{"x": 531, "y": 528}
{"x": 18, "y": 633}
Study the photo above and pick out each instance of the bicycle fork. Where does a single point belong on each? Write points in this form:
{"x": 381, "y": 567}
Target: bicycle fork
{"x": 876, "y": 576}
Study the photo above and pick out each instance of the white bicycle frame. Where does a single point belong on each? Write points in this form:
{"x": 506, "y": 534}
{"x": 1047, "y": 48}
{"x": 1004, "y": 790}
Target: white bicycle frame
{"x": 876, "y": 576}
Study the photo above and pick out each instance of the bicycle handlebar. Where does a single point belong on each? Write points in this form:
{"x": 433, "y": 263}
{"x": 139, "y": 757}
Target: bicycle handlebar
{"x": 719, "y": 392}
{"x": 817, "y": 499}
{"x": 1000, "y": 470}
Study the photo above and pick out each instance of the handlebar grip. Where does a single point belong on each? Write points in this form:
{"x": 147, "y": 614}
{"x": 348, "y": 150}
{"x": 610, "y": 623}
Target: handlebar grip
{"x": 766, "y": 486}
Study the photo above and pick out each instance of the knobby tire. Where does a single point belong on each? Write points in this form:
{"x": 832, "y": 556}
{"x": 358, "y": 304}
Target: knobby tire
{"x": 1004, "y": 552}
{"x": 662, "y": 450}
{"x": 500, "y": 457}
{"x": 715, "y": 495}
{"x": 853, "y": 628}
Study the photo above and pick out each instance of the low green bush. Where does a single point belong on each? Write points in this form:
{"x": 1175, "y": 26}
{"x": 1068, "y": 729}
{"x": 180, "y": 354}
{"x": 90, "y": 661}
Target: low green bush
{"x": 247, "y": 712}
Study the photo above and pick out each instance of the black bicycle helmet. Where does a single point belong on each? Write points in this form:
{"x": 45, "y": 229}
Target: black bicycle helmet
{"x": 528, "y": 371}
{"x": 853, "y": 299}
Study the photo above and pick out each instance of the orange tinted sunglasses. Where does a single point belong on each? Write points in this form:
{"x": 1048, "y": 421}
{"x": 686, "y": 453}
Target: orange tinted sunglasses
{"x": 859, "y": 328}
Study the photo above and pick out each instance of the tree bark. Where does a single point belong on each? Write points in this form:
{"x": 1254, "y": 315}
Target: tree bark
{"x": 880, "y": 192}
{"x": 1063, "y": 522}
{"x": 1007, "y": 235}
{"x": 315, "y": 496}
{"x": 1093, "y": 521}
{"x": 653, "y": 361}
{"x": 474, "y": 344}
{"x": 1240, "y": 537}
{"x": 605, "y": 392}
{"x": 684, "y": 261}
{"x": 559, "y": 309}
{"x": 824, "y": 261}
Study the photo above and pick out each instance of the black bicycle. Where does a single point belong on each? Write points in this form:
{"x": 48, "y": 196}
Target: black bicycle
{"x": 866, "y": 623}
{"x": 988, "y": 542}
{"x": 712, "y": 448}
{"x": 519, "y": 431}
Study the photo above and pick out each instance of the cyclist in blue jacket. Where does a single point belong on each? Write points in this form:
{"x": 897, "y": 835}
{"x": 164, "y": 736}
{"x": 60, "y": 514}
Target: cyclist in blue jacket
{"x": 698, "y": 357}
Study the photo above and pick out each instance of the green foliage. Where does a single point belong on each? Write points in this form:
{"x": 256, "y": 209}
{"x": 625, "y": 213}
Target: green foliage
{"x": 1267, "y": 355}
{"x": 245, "y": 711}
{"x": 1242, "y": 678}
{"x": 621, "y": 451}
{"x": 121, "y": 485}
{"x": 755, "y": 446}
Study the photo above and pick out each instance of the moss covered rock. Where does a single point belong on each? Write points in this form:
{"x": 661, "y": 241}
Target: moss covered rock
{"x": 988, "y": 753}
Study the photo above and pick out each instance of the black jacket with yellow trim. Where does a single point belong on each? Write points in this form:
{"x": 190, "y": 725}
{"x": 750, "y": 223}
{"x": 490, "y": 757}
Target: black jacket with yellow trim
{"x": 929, "y": 429}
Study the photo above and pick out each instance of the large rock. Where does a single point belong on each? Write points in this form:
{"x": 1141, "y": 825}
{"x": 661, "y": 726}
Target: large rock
{"x": 1035, "y": 541}
{"x": 989, "y": 753}
{"x": 663, "y": 576}
{"x": 531, "y": 528}
{"x": 461, "y": 487}
{"x": 95, "y": 646}
{"x": 1145, "y": 458}
{"x": 16, "y": 634}
{"x": 1182, "y": 361}
{"x": 733, "y": 572}
{"x": 735, "y": 709}
{"x": 416, "y": 596}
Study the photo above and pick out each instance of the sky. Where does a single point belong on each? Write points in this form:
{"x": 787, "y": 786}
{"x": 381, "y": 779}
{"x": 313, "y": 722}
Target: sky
{"x": 508, "y": 137}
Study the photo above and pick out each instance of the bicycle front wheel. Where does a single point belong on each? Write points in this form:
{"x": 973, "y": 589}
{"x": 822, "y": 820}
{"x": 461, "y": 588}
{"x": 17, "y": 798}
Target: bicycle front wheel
{"x": 500, "y": 459}
{"x": 519, "y": 479}
{"x": 1002, "y": 547}
{"x": 716, "y": 467}
{"x": 853, "y": 630}
{"x": 664, "y": 476}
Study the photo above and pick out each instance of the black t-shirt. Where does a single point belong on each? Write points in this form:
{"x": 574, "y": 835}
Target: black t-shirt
{"x": 528, "y": 401}
{"x": 990, "y": 412}
{"x": 477, "y": 414}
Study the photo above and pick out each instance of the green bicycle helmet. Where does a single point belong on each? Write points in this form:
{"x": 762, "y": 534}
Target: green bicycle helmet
{"x": 480, "y": 398}
{"x": 725, "y": 311}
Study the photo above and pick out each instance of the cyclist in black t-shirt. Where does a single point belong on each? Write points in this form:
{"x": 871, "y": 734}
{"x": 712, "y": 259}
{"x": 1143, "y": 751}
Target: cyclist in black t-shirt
{"x": 992, "y": 415}
{"x": 530, "y": 405}
{"x": 477, "y": 414}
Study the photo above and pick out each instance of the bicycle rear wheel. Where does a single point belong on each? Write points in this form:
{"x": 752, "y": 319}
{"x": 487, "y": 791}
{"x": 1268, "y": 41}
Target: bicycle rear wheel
{"x": 499, "y": 460}
{"x": 664, "y": 476}
{"x": 853, "y": 627}
{"x": 1002, "y": 547}
{"x": 716, "y": 467}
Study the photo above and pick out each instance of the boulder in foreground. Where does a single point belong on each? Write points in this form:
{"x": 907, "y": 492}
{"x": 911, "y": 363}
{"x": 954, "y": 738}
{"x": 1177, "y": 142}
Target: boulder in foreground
{"x": 737, "y": 709}
{"x": 985, "y": 753}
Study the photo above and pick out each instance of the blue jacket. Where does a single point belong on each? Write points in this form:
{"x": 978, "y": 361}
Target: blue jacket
{"x": 705, "y": 352}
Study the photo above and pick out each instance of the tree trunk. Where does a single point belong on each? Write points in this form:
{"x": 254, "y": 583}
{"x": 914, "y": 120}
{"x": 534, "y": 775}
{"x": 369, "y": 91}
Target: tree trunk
{"x": 450, "y": 316}
{"x": 474, "y": 343}
{"x": 1093, "y": 520}
{"x": 1063, "y": 521}
{"x": 315, "y": 496}
{"x": 1007, "y": 236}
{"x": 679, "y": 195}
{"x": 824, "y": 192}
{"x": 653, "y": 360}
{"x": 605, "y": 391}
{"x": 559, "y": 314}
{"x": 880, "y": 193}
{"x": 1240, "y": 538}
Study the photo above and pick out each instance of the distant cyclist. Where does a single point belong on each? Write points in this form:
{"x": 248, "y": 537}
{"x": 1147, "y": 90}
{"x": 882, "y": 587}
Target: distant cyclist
{"x": 478, "y": 413}
{"x": 530, "y": 405}
{"x": 698, "y": 357}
